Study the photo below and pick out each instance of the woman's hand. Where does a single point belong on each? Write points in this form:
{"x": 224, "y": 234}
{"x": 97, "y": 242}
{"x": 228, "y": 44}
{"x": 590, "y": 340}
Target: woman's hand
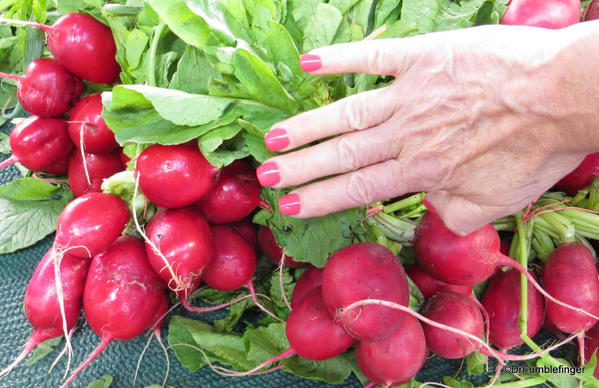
{"x": 484, "y": 120}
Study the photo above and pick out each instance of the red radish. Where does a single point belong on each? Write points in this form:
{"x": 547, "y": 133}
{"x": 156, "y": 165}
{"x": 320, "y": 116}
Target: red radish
{"x": 122, "y": 295}
{"x": 504, "y": 247}
{"x": 235, "y": 195}
{"x": 47, "y": 89}
{"x": 89, "y": 224}
{"x": 467, "y": 260}
{"x": 571, "y": 276}
{"x": 81, "y": 44}
{"x": 40, "y": 144}
{"x": 429, "y": 286}
{"x": 502, "y": 301}
{"x": 311, "y": 332}
{"x": 268, "y": 245}
{"x": 42, "y": 306}
{"x": 174, "y": 176}
{"x": 591, "y": 344}
{"x": 582, "y": 176}
{"x": 180, "y": 247}
{"x": 249, "y": 231}
{"x": 86, "y": 119}
{"x": 360, "y": 271}
{"x": 124, "y": 158}
{"x": 310, "y": 279}
{"x": 455, "y": 310}
{"x": 396, "y": 359}
{"x": 98, "y": 166}
{"x": 592, "y": 11}
{"x": 552, "y": 14}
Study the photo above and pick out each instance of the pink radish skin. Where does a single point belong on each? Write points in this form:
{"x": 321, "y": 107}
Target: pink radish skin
{"x": 86, "y": 118}
{"x": 235, "y": 195}
{"x": 47, "y": 89}
{"x": 429, "y": 286}
{"x": 396, "y": 359}
{"x": 502, "y": 302}
{"x": 268, "y": 245}
{"x": 310, "y": 279}
{"x": 455, "y": 310}
{"x": 40, "y": 144}
{"x": 175, "y": 176}
{"x": 99, "y": 167}
{"x": 553, "y": 14}
{"x": 89, "y": 224}
{"x": 571, "y": 276}
{"x": 41, "y": 304}
{"x": 582, "y": 176}
{"x": 249, "y": 231}
{"x": 365, "y": 271}
{"x": 591, "y": 344}
{"x": 185, "y": 240}
{"x": 592, "y": 12}
{"x": 83, "y": 45}
{"x": 122, "y": 295}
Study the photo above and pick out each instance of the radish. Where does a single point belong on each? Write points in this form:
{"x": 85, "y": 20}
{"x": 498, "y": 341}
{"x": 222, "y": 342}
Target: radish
{"x": 592, "y": 11}
{"x": 124, "y": 158}
{"x": 467, "y": 260}
{"x": 582, "y": 176}
{"x": 571, "y": 276}
{"x": 47, "y": 89}
{"x": 179, "y": 248}
{"x": 268, "y": 245}
{"x": 429, "y": 286}
{"x": 97, "y": 167}
{"x": 591, "y": 344}
{"x": 174, "y": 176}
{"x": 396, "y": 359}
{"x": 81, "y": 44}
{"x": 310, "y": 279}
{"x": 365, "y": 270}
{"x": 248, "y": 230}
{"x": 121, "y": 297}
{"x": 42, "y": 306}
{"x": 40, "y": 144}
{"x": 235, "y": 195}
{"x": 502, "y": 301}
{"x": 455, "y": 310}
{"x": 311, "y": 333}
{"x": 87, "y": 128}
{"x": 89, "y": 224}
{"x": 233, "y": 263}
{"x": 552, "y": 14}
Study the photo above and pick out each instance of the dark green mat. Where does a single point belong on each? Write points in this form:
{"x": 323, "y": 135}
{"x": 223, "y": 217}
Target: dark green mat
{"x": 120, "y": 359}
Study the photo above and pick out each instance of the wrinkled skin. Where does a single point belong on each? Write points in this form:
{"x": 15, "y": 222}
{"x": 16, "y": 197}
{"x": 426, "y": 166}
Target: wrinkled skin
{"x": 484, "y": 120}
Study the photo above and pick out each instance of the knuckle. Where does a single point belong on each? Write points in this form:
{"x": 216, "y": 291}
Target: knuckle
{"x": 356, "y": 113}
{"x": 379, "y": 59}
{"x": 360, "y": 189}
{"x": 348, "y": 154}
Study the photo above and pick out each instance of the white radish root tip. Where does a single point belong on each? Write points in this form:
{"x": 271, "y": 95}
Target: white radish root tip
{"x": 281, "y": 283}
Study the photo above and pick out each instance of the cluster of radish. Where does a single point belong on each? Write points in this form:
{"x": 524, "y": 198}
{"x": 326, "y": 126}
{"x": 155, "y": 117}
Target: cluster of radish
{"x": 83, "y": 49}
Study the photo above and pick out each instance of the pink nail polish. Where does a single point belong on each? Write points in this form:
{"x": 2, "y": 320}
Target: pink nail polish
{"x": 428, "y": 205}
{"x": 310, "y": 62}
{"x": 268, "y": 174}
{"x": 290, "y": 204}
{"x": 276, "y": 139}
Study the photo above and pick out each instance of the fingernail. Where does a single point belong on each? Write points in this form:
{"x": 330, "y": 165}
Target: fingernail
{"x": 268, "y": 174}
{"x": 290, "y": 204}
{"x": 428, "y": 205}
{"x": 310, "y": 62}
{"x": 276, "y": 139}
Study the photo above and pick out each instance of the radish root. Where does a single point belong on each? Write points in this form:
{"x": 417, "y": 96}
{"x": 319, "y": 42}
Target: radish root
{"x": 281, "y": 283}
{"x": 250, "y": 287}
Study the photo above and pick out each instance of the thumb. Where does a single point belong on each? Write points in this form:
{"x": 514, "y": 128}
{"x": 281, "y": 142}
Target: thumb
{"x": 459, "y": 215}
{"x": 380, "y": 57}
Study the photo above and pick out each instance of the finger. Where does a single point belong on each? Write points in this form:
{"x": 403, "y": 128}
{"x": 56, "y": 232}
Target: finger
{"x": 365, "y": 186}
{"x": 380, "y": 57}
{"x": 361, "y": 111}
{"x": 339, "y": 155}
{"x": 459, "y": 214}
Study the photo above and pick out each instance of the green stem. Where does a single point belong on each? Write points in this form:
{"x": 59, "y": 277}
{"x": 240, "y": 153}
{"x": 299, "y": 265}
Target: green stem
{"x": 404, "y": 203}
{"x": 153, "y": 50}
{"x": 531, "y": 382}
{"x": 418, "y": 210}
{"x": 562, "y": 225}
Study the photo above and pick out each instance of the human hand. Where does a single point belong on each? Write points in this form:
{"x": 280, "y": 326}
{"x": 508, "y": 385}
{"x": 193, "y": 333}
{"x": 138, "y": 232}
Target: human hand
{"x": 484, "y": 120}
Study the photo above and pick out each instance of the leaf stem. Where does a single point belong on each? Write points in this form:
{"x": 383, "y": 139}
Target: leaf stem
{"x": 404, "y": 203}
{"x": 153, "y": 49}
